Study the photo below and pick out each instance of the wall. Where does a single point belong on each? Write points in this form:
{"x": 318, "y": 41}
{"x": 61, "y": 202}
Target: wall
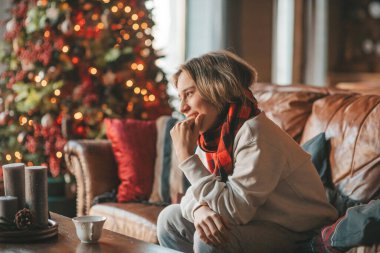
{"x": 250, "y": 28}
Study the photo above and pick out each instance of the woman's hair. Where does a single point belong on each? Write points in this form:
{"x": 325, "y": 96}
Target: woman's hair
{"x": 221, "y": 77}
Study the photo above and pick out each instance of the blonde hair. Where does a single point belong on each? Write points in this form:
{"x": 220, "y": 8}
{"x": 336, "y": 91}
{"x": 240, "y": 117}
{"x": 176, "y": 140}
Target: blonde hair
{"x": 221, "y": 77}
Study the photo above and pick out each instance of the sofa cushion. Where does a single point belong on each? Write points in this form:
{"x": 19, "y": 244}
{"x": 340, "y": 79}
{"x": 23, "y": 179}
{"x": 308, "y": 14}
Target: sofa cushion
{"x": 134, "y": 146}
{"x": 351, "y": 123}
{"x": 132, "y": 219}
{"x": 169, "y": 181}
{"x": 288, "y": 106}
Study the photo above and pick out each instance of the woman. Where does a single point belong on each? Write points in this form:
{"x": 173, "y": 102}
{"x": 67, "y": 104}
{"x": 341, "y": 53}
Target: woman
{"x": 258, "y": 191}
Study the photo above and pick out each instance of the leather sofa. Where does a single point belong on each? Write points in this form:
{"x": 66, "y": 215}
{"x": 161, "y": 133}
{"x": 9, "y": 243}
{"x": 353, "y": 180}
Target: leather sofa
{"x": 350, "y": 121}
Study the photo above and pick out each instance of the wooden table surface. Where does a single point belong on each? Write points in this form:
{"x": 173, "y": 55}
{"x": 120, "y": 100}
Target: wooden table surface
{"x": 67, "y": 241}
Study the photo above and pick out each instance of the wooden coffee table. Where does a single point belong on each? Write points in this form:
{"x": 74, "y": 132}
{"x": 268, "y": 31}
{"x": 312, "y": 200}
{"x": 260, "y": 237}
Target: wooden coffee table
{"x": 67, "y": 241}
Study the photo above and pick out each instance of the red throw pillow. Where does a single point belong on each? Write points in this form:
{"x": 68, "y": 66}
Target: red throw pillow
{"x": 134, "y": 147}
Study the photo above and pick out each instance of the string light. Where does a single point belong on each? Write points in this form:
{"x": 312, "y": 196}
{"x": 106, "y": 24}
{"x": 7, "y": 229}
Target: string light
{"x": 18, "y": 155}
{"x": 144, "y": 25}
{"x": 146, "y": 99}
{"x": 95, "y": 16}
{"x": 30, "y": 122}
{"x": 152, "y": 97}
{"x": 136, "y": 90}
{"x": 37, "y": 79}
{"x": 135, "y": 26}
{"x": 134, "y": 17}
{"x": 46, "y": 34}
{"x": 92, "y": 70}
{"x": 144, "y": 92}
{"x": 100, "y": 26}
{"x": 120, "y": 5}
{"x": 43, "y": 83}
{"x": 129, "y": 83}
{"x": 114, "y": 9}
{"x": 23, "y": 120}
{"x": 106, "y": 1}
{"x": 126, "y": 36}
{"x": 134, "y": 66}
{"x": 8, "y": 157}
{"x": 139, "y": 35}
{"x": 30, "y": 163}
{"x": 58, "y": 154}
{"x": 148, "y": 43}
{"x": 78, "y": 116}
{"x": 53, "y": 100}
{"x": 140, "y": 67}
{"x": 65, "y": 48}
{"x": 77, "y": 28}
{"x": 57, "y": 92}
{"x": 127, "y": 9}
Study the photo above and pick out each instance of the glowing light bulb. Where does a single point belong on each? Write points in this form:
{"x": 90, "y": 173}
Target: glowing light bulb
{"x": 65, "y": 48}
{"x": 140, "y": 67}
{"x": 135, "y": 26}
{"x": 77, "y": 28}
{"x": 58, "y": 154}
{"x": 78, "y": 116}
{"x": 57, "y": 92}
{"x": 152, "y": 97}
{"x": 129, "y": 83}
{"x": 8, "y": 157}
{"x": 144, "y": 92}
{"x": 114, "y": 9}
{"x": 134, "y": 17}
{"x": 127, "y": 9}
{"x": 92, "y": 70}
{"x": 43, "y": 83}
{"x": 136, "y": 90}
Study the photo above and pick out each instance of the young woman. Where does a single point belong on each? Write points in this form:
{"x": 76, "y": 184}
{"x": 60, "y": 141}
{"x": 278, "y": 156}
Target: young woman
{"x": 258, "y": 190}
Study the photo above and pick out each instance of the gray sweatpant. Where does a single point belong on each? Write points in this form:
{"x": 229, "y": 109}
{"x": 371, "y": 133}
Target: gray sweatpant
{"x": 177, "y": 233}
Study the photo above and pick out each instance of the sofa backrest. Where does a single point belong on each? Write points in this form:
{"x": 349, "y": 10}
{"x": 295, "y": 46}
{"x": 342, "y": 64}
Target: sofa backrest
{"x": 351, "y": 122}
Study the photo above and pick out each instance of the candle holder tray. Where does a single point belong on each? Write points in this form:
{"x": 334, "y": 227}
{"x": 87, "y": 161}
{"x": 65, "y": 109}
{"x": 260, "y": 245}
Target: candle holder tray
{"x": 35, "y": 235}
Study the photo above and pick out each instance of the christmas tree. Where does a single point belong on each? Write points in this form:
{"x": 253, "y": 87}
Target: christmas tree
{"x": 70, "y": 64}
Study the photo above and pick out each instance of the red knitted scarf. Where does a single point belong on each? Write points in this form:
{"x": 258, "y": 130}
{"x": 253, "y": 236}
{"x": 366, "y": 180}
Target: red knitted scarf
{"x": 218, "y": 142}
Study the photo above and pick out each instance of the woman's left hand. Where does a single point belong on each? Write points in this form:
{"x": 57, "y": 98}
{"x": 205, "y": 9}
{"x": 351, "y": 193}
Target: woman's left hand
{"x": 184, "y": 135}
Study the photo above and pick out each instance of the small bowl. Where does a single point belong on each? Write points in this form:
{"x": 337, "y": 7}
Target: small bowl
{"x": 89, "y": 228}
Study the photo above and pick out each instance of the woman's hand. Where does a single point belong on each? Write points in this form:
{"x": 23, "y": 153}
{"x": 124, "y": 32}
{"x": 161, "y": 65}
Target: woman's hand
{"x": 184, "y": 135}
{"x": 210, "y": 226}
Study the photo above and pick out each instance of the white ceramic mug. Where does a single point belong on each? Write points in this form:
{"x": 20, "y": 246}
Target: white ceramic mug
{"x": 89, "y": 228}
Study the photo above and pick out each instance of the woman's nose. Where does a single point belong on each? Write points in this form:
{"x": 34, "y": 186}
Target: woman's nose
{"x": 184, "y": 107}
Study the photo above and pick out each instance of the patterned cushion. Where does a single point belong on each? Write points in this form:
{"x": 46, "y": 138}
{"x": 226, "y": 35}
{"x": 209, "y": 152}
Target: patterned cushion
{"x": 169, "y": 182}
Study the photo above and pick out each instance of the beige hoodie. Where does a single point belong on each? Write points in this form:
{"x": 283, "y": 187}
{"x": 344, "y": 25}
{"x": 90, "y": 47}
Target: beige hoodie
{"x": 273, "y": 180}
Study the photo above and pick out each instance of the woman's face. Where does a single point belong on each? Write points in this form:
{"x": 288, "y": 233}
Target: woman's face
{"x": 192, "y": 104}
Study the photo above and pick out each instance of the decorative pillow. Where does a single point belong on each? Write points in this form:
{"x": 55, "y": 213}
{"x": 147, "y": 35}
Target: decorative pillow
{"x": 134, "y": 147}
{"x": 359, "y": 226}
{"x": 169, "y": 182}
{"x": 318, "y": 147}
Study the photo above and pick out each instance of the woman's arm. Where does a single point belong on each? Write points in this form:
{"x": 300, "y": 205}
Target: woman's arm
{"x": 258, "y": 168}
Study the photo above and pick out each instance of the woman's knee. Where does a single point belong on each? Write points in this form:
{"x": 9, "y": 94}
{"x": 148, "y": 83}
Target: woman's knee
{"x": 167, "y": 217}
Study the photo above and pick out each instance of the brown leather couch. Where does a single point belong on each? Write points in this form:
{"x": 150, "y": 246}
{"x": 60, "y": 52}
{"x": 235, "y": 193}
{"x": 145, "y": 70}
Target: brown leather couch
{"x": 351, "y": 121}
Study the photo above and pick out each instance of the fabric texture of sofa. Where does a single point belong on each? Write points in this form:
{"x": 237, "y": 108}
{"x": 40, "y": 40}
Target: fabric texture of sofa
{"x": 350, "y": 121}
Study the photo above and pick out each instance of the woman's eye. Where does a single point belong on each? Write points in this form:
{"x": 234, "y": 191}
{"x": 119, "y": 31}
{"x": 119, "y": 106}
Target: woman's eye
{"x": 189, "y": 93}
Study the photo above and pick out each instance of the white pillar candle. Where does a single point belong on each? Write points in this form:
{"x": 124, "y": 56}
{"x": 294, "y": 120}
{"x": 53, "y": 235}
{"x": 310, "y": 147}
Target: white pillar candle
{"x": 14, "y": 182}
{"x": 36, "y": 194}
{"x": 8, "y": 208}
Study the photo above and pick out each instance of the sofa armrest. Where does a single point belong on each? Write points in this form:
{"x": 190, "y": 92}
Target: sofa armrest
{"x": 93, "y": 164}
